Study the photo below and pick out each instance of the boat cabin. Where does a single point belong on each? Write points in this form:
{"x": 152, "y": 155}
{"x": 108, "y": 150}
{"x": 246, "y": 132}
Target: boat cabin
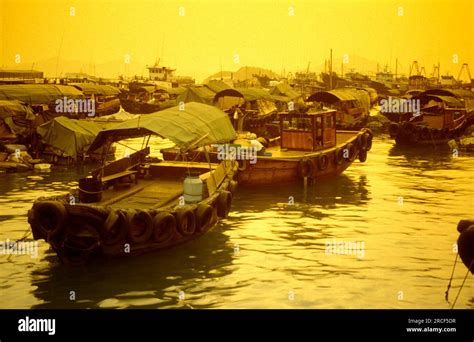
{"x": 308, "y": 132}
{"x": 441, "y": 112}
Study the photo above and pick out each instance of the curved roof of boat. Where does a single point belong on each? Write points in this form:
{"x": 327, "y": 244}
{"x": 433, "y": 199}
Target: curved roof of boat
{"x": 38, "y": 93}
{"x": 459, "y": 93}
{"x": 335, "y": 95}
{"x": 248, "y": 94}
{"x": 196, "y": 124}
{"x": 414, "y": 91}
{"x": 451, "y": 101}
{"x": 96, "y": 89}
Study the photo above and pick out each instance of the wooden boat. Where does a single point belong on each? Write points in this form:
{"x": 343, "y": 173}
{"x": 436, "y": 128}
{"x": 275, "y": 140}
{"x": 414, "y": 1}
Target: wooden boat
{"x": 16, "y": 121}
{"x": 147, "y": 98}
{"x": 131, "y": 206}
{"x": 15, "y": 158}
{"x": 441, "y": 118}
{"x": 137, "y": 107}
{"x": 352, "y": 106}
{"x": 466, "y": 243}
{"x": 56, "y": 136}
{"x": 309, "y": 147}
{"x": 250, "y": 109}
{"x": 106, "y": 97}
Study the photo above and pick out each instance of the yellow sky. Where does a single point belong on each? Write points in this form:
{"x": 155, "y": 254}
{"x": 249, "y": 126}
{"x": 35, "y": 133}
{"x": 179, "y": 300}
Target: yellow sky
{"x": 209, "y": 33}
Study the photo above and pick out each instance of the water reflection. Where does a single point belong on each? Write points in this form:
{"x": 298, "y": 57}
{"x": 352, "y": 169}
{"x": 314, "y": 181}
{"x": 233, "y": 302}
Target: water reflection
{"x": 151, "y": 280}
{"x": 404, "y": 205}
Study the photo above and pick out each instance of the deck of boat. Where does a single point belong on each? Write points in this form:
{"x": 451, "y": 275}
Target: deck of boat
{"x": 163, "y": 186}
{"x": 146, "y": 194}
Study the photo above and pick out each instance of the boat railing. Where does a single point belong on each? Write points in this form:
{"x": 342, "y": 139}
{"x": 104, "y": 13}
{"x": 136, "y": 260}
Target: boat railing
{"x": 121, "y": 165}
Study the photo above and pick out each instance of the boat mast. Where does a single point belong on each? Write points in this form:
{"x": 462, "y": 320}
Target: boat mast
{"x": 396, "y": 68}
{"x": 330, "y": 70}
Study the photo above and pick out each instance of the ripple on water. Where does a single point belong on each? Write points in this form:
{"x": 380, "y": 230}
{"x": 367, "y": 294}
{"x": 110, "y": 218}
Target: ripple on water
{"x": 403, "y": 205}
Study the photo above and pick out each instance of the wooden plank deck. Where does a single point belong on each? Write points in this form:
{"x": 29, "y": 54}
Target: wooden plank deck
{"x": 153, "y": 193}
{"x": 185, "y": 164}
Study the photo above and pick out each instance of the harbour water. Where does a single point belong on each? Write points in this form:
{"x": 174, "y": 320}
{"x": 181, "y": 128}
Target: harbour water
{"x": 382, "y": 235}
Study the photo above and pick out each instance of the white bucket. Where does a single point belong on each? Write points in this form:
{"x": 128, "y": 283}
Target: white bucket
{"x": 43, "y": 167}
{"x": 193, "y": 189}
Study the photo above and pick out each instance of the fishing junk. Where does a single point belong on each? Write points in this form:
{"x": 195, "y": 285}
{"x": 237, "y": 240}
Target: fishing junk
{"x": 133, "y": 205}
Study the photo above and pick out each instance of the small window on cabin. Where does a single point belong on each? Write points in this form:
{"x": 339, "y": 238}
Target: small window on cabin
{"x": 328, "y": 121}
{"x": 319, "y": 126}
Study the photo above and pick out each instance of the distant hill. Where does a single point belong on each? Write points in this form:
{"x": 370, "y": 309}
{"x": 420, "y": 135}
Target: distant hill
{"x": 244, "y": 73}
{"x": 54, "y": 68}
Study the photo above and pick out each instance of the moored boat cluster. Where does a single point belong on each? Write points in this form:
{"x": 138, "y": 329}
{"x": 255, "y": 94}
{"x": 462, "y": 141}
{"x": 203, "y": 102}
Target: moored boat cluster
{"x": 223, "y": 134}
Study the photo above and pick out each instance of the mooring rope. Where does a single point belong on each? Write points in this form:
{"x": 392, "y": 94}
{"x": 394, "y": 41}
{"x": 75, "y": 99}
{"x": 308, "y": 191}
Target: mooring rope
{"x": 465, "y": 277}
{"x": 451, "y": 279}
{"x": 27, "y": 233}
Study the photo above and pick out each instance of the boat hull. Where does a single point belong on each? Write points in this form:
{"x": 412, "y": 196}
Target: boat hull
{"x": 282, "y": 168}
{"x": 134, "y": 107}
{"x": 81, "y": 232}
{"x": 411, "y": 135}
{"x": 466, "y": 243}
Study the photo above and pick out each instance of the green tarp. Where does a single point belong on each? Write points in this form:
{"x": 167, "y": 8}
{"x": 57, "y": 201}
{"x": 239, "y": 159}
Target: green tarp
{"x": 13, "y": 108}
{"x": 192, "y": 124}
{"x": 196, "y": 94}
{"x": 217, "y": 86}
{"x": 171, "y": 91}
{"x": 35, "y": 94}
{"x": 71, "y": 136}
{"x": 96, "y": 89}
{"x": 16, "y": 116}
{"x": 248, "y": 94}
{"x": 284, "y": 91}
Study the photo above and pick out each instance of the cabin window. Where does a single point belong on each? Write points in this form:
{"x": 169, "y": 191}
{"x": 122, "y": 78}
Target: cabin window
{"x": 328, "y": 122}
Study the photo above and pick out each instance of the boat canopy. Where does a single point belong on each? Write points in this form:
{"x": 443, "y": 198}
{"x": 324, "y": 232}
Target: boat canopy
{"x": 333, "y": 96}
{"x": 96, "y": 89}
{"x": 342, "y": 94}
{"x": 450, "y": 101}
{"x": 143, "y": 89}
{"x": 284, "y": 92}
{"x": 35, "y": 94}
{"x": 15, "y": 108}
{"x": 71, "y": 136}
{"x": 248, "y": 94}
{"x": 196, "y": 94}
{"x": 217, "y": 86}
{"x": 195, "y": 124}
{"x": 171, "y": 91}
{"x": 458, "y": 93}
{"x": 16, "y": 116}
